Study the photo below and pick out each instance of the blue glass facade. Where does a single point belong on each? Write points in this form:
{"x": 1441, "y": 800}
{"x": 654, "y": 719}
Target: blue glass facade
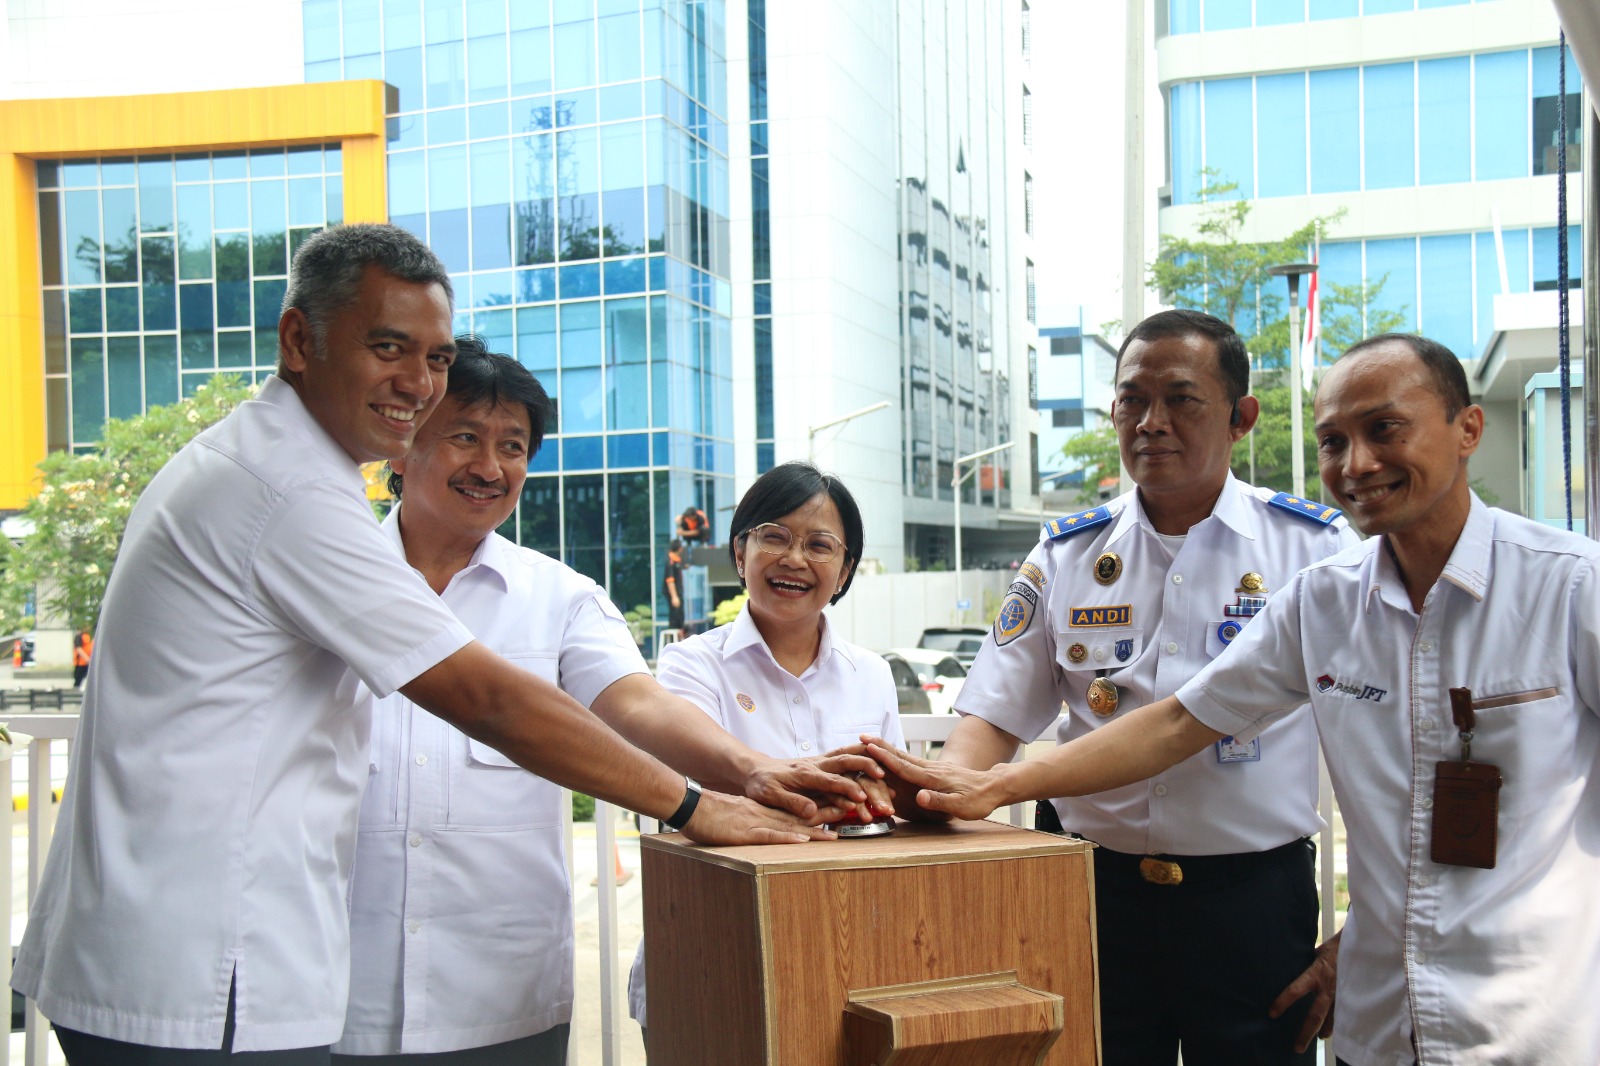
{"x": 1196, "y": 16}
{"x": 160, "y": 271}
{"x": 567, "y": 160}
{"x": 1463, "y": 118}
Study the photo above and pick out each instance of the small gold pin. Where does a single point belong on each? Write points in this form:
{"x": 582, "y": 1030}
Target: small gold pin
{"x": 1077, "y": 653}
{"x": 1103, "y": 698}
{"x": 1108, "y": 567}
{"x": 1252, "y": 583}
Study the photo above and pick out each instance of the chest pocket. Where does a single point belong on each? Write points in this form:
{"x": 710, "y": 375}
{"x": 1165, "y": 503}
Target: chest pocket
{"x": 486, "y": 791}
{"x": 1093, "y": 650}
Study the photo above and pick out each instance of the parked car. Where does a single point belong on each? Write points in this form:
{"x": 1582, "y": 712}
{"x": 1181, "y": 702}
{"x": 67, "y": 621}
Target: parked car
{"x": 939, "y": 674}
{"x": 961, "y": 641}
{"x": 909, "y": 694}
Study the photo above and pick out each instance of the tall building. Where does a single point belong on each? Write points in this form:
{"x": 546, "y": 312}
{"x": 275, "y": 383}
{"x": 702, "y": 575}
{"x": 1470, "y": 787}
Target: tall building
{"x": 1076, "y": 369}
{"x": 1430, "y": 123}
{"x": 706, "y": 225}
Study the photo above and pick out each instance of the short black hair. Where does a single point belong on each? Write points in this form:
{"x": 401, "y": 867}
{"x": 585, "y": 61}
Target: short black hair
{"x": 1233, "y": 362}
{"x": 327, "y": 270}
{"x": 479, "y": 376}
{"x": 786, "y": 488}
{"x": 1449, "y": 376}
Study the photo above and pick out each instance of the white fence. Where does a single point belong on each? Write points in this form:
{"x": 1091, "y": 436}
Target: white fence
{"x": 50, "y": 731}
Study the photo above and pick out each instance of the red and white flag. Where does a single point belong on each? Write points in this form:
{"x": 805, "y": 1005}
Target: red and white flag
{"x": 1312, "y": 331}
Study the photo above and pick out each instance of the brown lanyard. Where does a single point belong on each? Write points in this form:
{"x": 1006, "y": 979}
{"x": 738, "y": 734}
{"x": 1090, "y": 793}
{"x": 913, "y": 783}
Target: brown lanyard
{"x": 1466, "y": 798}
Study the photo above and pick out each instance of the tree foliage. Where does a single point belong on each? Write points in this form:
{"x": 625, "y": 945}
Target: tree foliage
{"x": 82, "y": 508}
{"x": 1217, "y": 272}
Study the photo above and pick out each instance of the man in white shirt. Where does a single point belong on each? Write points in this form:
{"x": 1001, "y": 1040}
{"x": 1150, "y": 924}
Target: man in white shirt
{"x": 1471, "y": 938}
{"x": 1132, "y": 599}
{"x": 192, "y": 905}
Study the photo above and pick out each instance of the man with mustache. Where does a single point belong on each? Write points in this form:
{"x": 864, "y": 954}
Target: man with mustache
{"x": 193, "y": 903}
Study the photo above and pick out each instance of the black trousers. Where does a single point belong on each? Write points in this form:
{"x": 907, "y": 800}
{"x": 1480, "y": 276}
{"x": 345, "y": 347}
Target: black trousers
{"x": 81, "y": 1049}
{"x": 1197, "y": 964}
{"x": 548, "y": 1048}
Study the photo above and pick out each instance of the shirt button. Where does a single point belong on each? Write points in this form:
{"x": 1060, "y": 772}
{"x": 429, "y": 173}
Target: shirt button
{"x": 797, "y": 699}
{"x": 1426, "y": 645}
{"x": 416, "y": 840}
{"x": 1422, "y": 882}
{"x": 1420, "y": 958}
{"x": 1427, "y": 802}
{"x": 1161, "y": 790}
{"x": 1172, "y": 647}
{"x": 422, "y": 760}
{"x": 1425, "y": 722}
{"x": 1177, "y": 579}
{"x": 1099, "y": 655}
{"x": 805, "y": 745}
{"x": 414, "y": 925}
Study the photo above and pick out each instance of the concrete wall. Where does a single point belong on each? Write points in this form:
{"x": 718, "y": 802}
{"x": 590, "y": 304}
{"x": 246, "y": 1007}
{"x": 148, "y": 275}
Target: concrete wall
{"x": 884, "y": 611}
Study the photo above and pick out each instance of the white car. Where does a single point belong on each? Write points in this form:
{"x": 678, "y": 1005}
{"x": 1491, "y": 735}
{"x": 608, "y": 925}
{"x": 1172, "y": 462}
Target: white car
{"x": 940, "y": 674}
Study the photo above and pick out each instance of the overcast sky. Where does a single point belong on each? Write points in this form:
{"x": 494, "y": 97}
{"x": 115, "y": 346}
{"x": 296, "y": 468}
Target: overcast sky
{"x": 1077, "y": 81}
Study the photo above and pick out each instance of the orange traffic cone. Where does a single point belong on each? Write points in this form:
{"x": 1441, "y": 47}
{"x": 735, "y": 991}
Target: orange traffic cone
{"x": 623, "y": 875}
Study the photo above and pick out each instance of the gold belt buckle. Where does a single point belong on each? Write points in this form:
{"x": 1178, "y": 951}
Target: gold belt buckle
{"x": 1160, "y": 871}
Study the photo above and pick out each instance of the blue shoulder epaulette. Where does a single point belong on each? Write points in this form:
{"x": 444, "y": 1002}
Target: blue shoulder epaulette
{"x": 1067, "y": 525}
{"x": 1310, "y": 510}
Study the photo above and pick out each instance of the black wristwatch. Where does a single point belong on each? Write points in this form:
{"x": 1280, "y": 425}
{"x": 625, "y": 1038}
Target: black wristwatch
{"x": 685, "y": 811}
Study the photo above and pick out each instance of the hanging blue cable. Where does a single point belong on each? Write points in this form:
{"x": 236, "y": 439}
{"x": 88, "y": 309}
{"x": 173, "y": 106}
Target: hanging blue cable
{"x": 1561, "y": 274}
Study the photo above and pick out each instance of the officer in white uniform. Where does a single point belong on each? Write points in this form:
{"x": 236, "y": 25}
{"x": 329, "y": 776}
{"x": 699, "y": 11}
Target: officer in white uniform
{"x": 1452, "y": 665}
{"x": 1117, "y": 607}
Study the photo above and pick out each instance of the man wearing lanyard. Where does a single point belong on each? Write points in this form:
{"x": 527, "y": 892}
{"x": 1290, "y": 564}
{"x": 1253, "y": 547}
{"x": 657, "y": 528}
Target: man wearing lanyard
{"x": 1452, "y": 664}
{"x": 1118, "y": 606}
{"x": 193, "y": 902}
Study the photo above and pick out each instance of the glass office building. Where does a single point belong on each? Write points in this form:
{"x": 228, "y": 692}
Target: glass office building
{"x": 568, "y": 161}
{"x": 1400, "y": 143}
{"x": 160, "y": 271}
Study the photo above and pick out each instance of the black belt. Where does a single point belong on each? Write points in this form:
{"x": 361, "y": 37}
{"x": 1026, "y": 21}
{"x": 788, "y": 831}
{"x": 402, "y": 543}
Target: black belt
{"x": 1191, "y": 869}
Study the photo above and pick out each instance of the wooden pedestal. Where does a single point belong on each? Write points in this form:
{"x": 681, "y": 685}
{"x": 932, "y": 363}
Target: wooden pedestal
{"x": 964, "y": 943}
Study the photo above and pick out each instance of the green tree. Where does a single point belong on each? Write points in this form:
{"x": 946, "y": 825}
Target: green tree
{"x": 1217, "y": 272}
{"x": 79, "y": 514}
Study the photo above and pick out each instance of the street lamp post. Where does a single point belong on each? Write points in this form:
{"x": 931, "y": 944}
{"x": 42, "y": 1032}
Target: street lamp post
{"x": 955, "y": 482}
{"x": 1297, "y": 429}
{"x": 811, "y": 432}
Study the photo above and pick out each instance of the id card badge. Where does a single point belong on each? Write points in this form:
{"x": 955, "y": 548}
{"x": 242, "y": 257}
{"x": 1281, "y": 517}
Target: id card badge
{"x": 1466, "y": 813}
{"x": 1231, "y": 750}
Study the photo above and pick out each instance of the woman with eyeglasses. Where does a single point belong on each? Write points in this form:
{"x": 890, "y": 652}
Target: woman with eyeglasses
{"x": 776, "y": 677}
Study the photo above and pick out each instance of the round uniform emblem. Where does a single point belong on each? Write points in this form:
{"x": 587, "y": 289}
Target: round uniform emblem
{"x": 1227, "y": 631}
{"x": 1251, "y": 582}
{"x": 1108, "y": 567}
{"x": 1103, "y": 698}
{"x": 1077, "y": 653}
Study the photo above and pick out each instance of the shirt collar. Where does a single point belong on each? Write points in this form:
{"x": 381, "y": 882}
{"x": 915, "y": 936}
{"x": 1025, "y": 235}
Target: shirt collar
{"x": 282, "y": 395}
{"x": 493, "y": 553}
{"x": 1229, "y": 509}
{"x": 1468, "y": 568}
{"x": 742, "y": 634}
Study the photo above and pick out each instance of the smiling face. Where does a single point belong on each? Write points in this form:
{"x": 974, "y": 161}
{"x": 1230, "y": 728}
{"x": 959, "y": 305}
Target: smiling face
{"x": 463, "y": 475}
{"x": 789, "y": 589}
{"x": 381, "y": 368}
{"x": 1388, "y": 453}
{"x": 1172, "y": 416}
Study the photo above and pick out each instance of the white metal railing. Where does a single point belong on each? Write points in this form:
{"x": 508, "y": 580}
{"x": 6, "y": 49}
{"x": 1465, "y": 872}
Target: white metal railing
{"x": 39, "y": 733}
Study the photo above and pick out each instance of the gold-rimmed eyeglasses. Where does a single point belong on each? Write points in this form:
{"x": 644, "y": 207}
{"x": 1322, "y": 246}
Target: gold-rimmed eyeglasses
{"x": 817, "y": 547}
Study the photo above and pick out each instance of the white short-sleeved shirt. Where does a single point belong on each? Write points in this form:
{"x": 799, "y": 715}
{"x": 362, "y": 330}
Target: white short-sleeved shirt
{"x": 1148, "y": 630}
{"x": 209, "y": 820}
{"x": 731, "y": 674}
{"x": 460, "y": 909}
{"x": 1480, "y": 966}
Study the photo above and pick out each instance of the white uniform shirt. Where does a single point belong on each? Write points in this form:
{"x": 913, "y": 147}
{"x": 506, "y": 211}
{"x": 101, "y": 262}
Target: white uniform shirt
{"x": 210, "y": 816}
{"x": 460, "y": 909}
{"x": 1483, "y": 966}
{"x": 731, "y": 674}
{"x": 1210, "y": 804}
